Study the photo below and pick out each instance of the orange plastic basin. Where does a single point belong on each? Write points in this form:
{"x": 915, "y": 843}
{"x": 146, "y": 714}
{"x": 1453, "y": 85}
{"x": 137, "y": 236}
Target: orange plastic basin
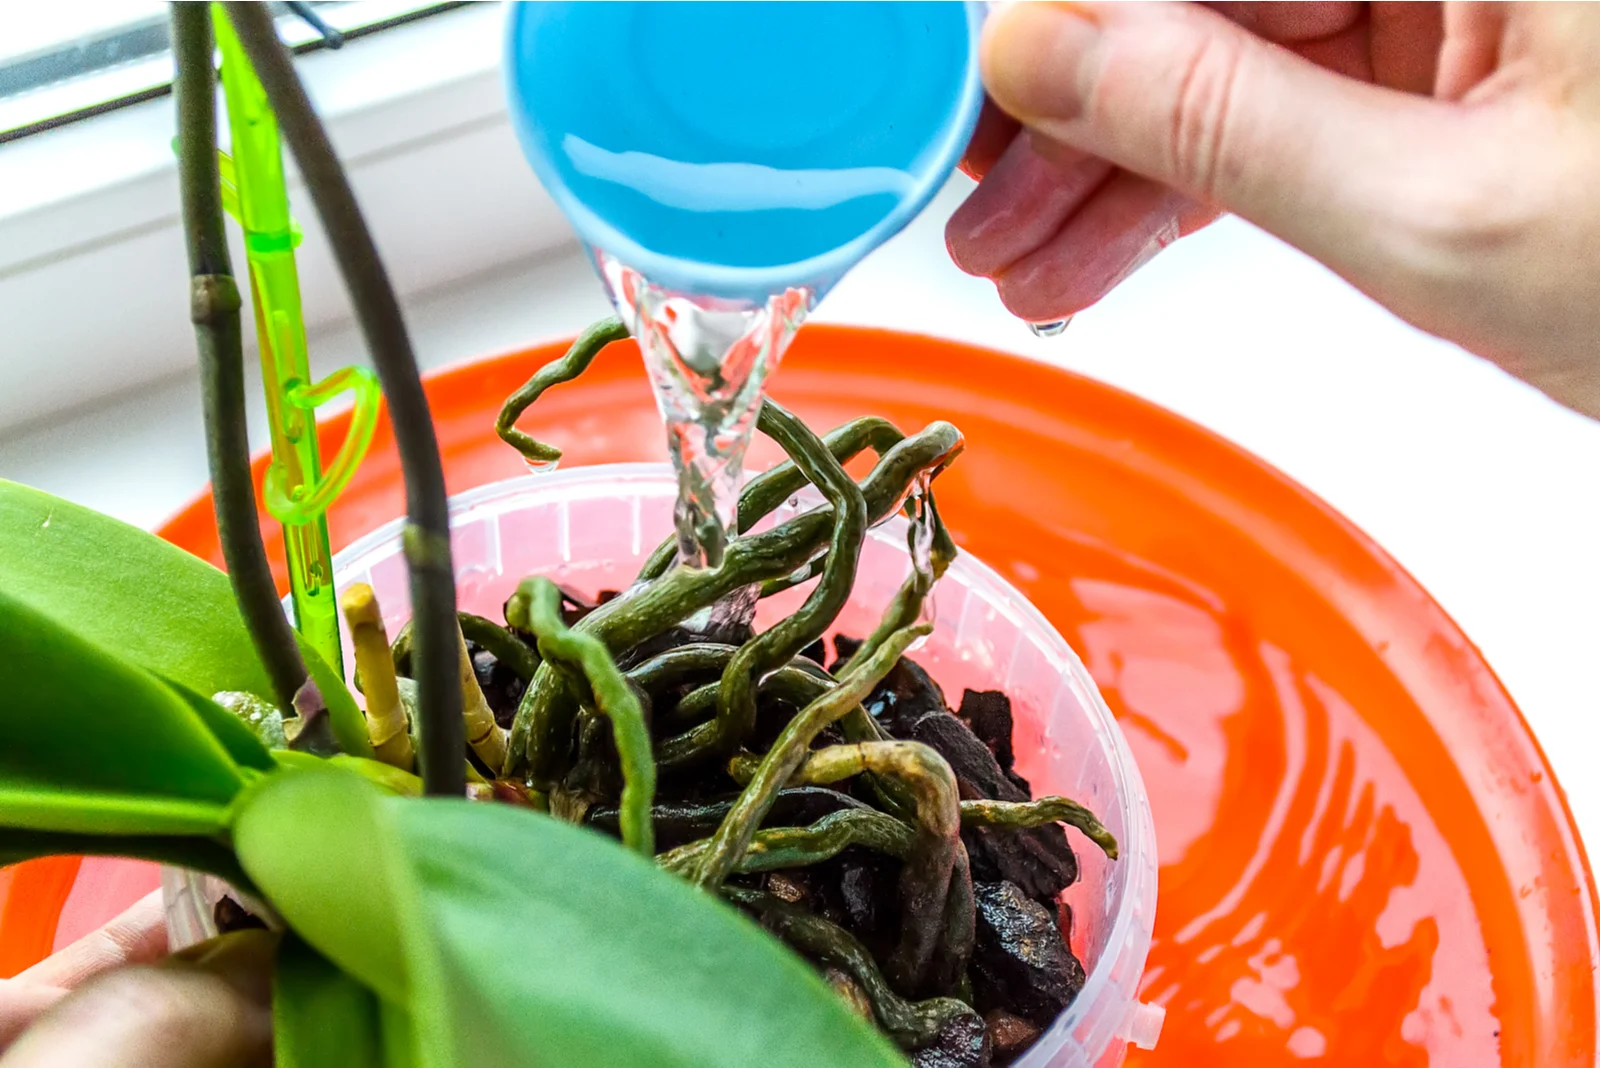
{"x": 1365, "y": 858}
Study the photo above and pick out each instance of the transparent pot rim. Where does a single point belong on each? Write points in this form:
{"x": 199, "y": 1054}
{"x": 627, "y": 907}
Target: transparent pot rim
{"x": 1107, "y": 1009}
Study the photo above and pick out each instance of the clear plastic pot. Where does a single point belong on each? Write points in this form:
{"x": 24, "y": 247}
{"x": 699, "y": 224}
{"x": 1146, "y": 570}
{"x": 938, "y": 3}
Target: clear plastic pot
{"x": 591, "y": 527}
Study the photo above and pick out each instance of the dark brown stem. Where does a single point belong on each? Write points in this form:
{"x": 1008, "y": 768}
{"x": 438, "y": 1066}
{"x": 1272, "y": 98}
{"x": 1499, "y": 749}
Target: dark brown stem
{"x": 427, "y": 535}
{"x": 214, "y": 308}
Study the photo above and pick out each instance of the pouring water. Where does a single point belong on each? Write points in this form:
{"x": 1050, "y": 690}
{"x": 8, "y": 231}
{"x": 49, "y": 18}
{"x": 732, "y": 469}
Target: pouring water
{"x": 725, "y": 164}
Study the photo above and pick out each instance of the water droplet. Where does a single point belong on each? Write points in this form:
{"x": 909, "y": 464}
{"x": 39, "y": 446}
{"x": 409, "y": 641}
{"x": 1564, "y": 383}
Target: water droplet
{"x": 1051, "y": 329}
{"x": 541, "y": 467}
{"x": 920, "y": 536}
{"x": 919, "y": 540}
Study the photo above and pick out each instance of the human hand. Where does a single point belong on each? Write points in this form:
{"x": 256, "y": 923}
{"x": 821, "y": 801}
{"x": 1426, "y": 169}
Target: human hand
{"x": 105, "y": 1002}
{"x": 1440, "y": 157}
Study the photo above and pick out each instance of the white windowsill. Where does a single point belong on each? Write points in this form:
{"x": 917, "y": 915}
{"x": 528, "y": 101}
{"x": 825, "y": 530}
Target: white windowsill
{"x": 93, "y": 285}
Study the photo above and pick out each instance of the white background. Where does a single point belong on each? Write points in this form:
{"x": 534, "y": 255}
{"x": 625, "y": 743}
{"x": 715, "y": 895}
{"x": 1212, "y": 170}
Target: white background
{"x": 1479, "y": 486}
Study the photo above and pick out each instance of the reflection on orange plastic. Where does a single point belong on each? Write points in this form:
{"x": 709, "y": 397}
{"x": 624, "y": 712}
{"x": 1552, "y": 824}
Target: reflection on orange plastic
{"x": 1365, "y": 860}
{"x": 31, "y": 896}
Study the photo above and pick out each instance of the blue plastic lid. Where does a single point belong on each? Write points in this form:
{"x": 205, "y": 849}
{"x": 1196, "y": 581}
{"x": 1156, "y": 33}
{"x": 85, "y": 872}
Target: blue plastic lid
{"x": 739, "y": 149}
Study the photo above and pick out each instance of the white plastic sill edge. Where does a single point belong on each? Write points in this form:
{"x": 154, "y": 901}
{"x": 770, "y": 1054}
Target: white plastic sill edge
{"x": 92, "y": 268}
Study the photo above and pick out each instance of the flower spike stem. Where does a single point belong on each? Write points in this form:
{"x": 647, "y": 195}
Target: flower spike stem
{"x": 427, "y": 534}
{"x": 214, "y": 307}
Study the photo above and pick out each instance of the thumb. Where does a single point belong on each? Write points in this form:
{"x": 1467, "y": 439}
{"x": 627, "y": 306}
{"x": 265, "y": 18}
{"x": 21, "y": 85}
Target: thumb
{"x": 208, "y": 1007}
{"x": 1181, "y": 95}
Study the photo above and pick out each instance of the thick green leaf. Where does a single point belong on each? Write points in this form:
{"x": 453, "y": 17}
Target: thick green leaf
{"x": 516, "y": 940}
{"x": 329, "y": 870}
{"x": 92, "y": 744}
{"x": 156, "y": 605}
{"x": 320, "y": 1015}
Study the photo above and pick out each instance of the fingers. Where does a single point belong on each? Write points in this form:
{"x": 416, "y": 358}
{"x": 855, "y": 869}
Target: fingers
{"x": 1406, "y": 38}
{"x": 995, "y": 131}
{"x": 138, "y": 936}
{"x": 1021, "y": 204}
{"x": 1471, "y": 48}
{"x": 207, "y": 1008}
{"x": 21, "y": 1003}
{"x": 1115, "y": 233}
{"x": 1394, "y": 44}
{"x": 1292, "y": 23}
{"x": 1184, "y": 97}
{"x": 1554, "y": 47}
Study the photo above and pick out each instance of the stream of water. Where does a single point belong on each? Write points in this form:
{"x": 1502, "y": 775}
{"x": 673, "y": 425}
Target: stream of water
{"x": 708, "y": 360}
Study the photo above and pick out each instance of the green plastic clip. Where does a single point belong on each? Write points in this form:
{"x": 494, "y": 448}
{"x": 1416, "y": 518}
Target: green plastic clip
{"x": 298, "y": 488}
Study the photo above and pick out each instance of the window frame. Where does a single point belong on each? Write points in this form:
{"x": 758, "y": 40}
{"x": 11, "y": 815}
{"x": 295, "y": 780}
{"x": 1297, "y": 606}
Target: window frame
{"x": 92, "y": 285}
{"x": 305, "y": 39}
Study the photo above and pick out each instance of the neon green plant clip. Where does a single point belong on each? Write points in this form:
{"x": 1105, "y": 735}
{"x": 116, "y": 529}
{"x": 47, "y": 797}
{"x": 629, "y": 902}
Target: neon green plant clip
{"x": 298, "y": 489}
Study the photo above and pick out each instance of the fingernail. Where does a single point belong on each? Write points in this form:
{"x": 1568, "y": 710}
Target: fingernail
{"x": 242, "y": 959}
{"x": 1037, "y": 59}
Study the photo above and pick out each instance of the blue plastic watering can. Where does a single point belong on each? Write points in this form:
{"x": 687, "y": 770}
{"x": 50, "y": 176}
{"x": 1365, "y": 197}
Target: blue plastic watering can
{"x": 738, "y": 150}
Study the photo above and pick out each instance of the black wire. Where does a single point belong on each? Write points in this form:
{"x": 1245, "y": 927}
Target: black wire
{"x": 308, "y": 14}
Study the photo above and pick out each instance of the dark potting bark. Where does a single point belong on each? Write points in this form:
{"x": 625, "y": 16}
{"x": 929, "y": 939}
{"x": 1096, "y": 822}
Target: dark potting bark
{"x": 1022, "y": 963}
{"x": 963, "y": 1042}
{"x": 1022, "y": 972}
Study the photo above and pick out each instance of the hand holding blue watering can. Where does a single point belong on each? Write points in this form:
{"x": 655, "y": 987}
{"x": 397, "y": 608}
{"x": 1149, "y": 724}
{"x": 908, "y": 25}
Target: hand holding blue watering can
{"x": 1389, "y": 142}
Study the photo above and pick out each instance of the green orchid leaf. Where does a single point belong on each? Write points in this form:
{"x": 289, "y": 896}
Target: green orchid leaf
{"x": 320, "y": 1015}
{"x": 399, "y": 1045}
{"x": 92, "y": 744}
{"x": 353, "y": 918}
{"x": 513, "y": 939}
{"x": 157, "y": 606}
